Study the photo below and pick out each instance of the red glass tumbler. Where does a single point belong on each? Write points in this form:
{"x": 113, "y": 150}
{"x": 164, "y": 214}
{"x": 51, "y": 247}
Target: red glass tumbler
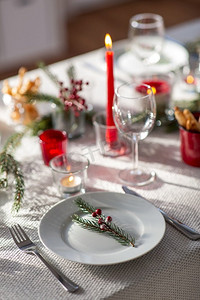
{"x": 190, "y": 145}
{"x": 52, "y": 143}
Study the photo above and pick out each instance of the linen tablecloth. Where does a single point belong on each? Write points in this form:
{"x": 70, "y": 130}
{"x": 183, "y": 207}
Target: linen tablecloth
{"x": 169, "y": 271}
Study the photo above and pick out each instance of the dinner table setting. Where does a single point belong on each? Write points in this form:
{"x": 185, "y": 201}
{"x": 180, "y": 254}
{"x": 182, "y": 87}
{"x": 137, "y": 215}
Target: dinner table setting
{"x": 100, "y": 172}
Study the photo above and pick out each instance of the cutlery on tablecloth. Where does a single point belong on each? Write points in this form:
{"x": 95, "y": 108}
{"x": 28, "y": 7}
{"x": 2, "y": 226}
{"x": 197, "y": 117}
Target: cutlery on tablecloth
{"x": 186, "y": 230}
{"x": 25, "y": 244}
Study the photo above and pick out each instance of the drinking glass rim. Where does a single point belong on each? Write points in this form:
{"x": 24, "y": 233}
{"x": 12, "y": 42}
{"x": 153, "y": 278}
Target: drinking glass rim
{"x": 70, "y": 172}
{"x": 139, "y": 97}
{"x": 156, "y": 19}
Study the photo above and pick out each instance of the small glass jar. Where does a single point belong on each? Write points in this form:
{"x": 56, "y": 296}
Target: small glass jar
{"x": 73, "y": 122}
{"x": 52, "y": 143}
{"x": 109, "y": 141}
{"x": 69, "y": 173}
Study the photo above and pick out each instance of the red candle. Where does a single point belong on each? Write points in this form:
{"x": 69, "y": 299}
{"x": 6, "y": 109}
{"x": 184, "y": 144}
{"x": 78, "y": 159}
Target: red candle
{"x": 110, "y": 90}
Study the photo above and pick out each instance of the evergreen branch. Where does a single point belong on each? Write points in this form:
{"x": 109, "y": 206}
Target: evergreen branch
{"x": 19, "y": 184}
{"x": 3, "y": 183}
{"x": 13, "y": 141}
{"x": 41, "y": 125}
{"x": 46, "y": 70}
{"x": 32, "y": 97}
{"x": 120, "y": 235}
{"x": 8, "y": 165}
{"x": 86, "y": 223}
{"x": 84, "y": 206}
{"x": 71, "y": 72}
{"x": 100, "y": 223}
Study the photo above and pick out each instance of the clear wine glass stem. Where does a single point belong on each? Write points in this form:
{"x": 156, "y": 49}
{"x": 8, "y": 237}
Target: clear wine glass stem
{"x": 135, "y": 151}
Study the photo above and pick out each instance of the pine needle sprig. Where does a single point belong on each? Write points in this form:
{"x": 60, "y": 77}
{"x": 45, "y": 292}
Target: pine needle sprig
{"x": 84, "y": 206}
{"x": 100, "y": 223}
{"x": 40, "y": 125}
{"x": 86, "y": 223}
{"x": 8, "y": 166}
{"x": 71, "y": 73}
{"x": 41, "y": 97}
{"x": 13, "y": 141}
{"x": 3, "y": 183}
{"x": 19, "y": 183}
{"x": 51, "y": 76}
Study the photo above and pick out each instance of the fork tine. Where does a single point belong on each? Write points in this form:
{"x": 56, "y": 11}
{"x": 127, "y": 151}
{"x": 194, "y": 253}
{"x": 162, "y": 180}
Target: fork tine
{"x": 23, "y": 233}
{"x": 17, "y": 233}
{"x": 13, "y": 235}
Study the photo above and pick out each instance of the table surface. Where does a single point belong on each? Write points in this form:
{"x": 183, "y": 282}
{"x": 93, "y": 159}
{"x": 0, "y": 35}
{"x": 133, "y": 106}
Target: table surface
{"x": 169, "y": 271}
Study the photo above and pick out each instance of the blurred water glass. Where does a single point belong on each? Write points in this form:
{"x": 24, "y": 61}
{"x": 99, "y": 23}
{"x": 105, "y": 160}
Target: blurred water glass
{"x": 108, "y": 140}
{"x": 146, "y": 36}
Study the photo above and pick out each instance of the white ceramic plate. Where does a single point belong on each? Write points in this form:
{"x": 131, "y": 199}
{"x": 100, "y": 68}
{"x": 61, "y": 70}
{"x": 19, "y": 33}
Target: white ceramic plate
{"x": 70, "y": 241}
{"x": 173, "y": 57}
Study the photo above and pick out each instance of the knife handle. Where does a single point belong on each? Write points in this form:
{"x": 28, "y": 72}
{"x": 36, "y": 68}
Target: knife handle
{"x": 186, "y": 230}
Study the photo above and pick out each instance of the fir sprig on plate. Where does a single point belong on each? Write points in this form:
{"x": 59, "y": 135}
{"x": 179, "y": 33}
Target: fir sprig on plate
{"x": 100, "y": 223}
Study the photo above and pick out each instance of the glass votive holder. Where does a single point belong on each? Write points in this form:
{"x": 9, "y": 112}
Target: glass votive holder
{"x": 185, "y": 92}
{"x": 69, "y": 173}
{"x": 108, "y": 139}
{"x": 52, "y": 143}
{"x": 71, "y": 122}
{"x": 190, "y": 145}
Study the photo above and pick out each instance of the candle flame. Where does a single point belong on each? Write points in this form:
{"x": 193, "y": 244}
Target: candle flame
{"x": 190, "y": 79}
{"x": 71, "y": 178}
{"x": 153, "y": 89}
{"x": 108, "y": 41}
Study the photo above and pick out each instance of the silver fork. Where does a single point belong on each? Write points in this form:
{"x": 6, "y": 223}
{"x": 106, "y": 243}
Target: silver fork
{"x": 25, "y": 244}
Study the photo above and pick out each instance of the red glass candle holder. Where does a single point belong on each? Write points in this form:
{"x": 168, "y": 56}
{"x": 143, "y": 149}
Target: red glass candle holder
{"x": 52, "y": 143}
{"x": 162, "y": 86}
{"x": 190, "y": 146}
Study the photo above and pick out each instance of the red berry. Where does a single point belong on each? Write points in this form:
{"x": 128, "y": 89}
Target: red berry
{"x": 108, "y": 219}
{"x": 100, "y": 221}
{"x": 98, "y": 211}
{"x": 94, "y": 214}
{"x": 103, "y": 227}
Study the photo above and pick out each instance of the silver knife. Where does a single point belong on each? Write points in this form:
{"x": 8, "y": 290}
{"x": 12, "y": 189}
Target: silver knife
{"x": 186, "y": 230}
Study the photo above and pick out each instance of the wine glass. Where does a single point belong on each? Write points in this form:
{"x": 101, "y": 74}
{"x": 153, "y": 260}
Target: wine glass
{"x": 134, "y": 113}
{"x": 146, "y": 35}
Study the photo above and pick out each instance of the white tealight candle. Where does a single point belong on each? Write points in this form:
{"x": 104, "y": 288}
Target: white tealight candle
{"x": 71, "y": 184}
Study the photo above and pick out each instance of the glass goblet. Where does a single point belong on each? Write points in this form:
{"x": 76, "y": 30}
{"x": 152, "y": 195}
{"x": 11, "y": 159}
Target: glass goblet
{"x": 146, "y": 35}
{"x": 134, "y": 112}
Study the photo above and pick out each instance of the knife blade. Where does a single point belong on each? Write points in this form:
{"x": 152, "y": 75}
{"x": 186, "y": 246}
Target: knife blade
{"x": 186, "y": 230}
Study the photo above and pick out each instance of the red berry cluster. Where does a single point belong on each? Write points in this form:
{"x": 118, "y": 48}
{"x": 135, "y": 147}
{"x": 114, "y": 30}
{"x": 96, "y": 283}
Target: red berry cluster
{"x": 103, "y": 224}
{"x": 70, "y": 96}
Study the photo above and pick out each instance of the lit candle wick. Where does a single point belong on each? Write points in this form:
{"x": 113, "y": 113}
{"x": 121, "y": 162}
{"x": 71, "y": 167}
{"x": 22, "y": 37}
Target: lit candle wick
{"x": 71, "y": 184}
